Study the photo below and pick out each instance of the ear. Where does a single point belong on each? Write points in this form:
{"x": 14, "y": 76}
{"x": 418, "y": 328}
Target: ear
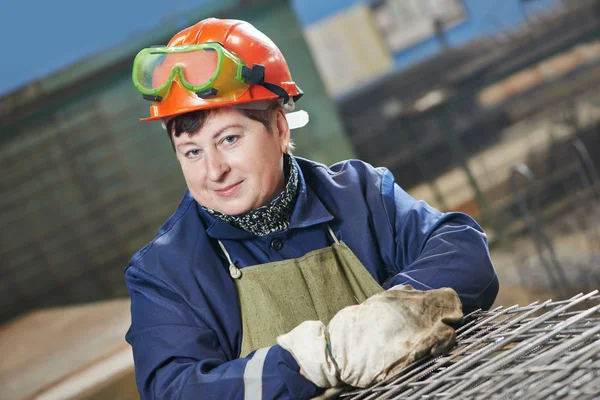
{"x": 282, "y": 129}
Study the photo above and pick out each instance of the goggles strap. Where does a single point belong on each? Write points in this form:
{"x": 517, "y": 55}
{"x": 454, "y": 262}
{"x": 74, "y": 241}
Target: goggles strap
{"x": 256, "y": 76}
{"x": 207, "y": 93}
{"x": 152, "y": 98}
{"x": 278, "y": 90}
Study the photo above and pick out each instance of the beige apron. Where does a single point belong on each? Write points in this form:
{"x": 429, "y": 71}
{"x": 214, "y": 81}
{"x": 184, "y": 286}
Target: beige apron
{"x": 278, "y": 296}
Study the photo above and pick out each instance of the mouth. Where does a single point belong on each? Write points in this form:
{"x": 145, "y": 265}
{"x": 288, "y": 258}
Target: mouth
{"x": 228, "y": 190}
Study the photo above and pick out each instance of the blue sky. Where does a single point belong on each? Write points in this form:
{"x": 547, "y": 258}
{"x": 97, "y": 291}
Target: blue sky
{"x": 48, "y": 36}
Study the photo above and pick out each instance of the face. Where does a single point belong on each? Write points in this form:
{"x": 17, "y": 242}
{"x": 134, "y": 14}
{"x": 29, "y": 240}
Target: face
{"x": 233, "y": 164}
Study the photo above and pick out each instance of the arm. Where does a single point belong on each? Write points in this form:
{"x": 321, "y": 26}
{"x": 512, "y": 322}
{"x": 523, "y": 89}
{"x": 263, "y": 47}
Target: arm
{"x": 434, "y": 249}
{"x": 179, "y": 357}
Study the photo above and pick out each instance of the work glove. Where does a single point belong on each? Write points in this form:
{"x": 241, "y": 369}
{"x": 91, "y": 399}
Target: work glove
{"x": 367, "y": 343}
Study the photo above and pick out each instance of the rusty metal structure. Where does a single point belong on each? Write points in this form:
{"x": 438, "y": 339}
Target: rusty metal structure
{"x": 546, "y": 350}
{"x": 506, "y": 132}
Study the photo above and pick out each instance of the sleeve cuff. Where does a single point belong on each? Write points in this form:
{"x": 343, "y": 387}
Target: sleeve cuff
{"x": 282, "y": 379}
{"x": 403, "y": 279}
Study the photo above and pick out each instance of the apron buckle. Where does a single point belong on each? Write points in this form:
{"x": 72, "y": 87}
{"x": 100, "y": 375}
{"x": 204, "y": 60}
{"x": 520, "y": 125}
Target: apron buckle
{"x": 234, "y": 272}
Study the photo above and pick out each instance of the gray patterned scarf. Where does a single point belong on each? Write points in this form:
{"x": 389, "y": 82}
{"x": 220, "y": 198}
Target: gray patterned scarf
{"x": 276, "y": 215}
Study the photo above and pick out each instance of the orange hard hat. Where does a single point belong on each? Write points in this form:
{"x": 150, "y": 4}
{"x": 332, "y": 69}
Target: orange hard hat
{"x": 267, "y": 71}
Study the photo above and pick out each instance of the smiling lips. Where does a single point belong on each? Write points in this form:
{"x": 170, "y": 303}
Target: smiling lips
{"x": 229, "y": 190}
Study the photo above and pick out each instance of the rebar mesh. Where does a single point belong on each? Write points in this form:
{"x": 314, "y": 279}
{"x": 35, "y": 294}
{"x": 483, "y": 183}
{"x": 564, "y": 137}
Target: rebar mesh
{"x": 548, "y": 350}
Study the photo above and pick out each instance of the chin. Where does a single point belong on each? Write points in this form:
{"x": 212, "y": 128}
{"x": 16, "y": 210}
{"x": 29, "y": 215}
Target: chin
{"x": 234, "y": 209}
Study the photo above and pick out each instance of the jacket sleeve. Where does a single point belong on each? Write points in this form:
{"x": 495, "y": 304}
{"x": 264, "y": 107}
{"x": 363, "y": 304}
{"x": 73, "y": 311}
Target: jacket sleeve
{"x": 434, "y": 249}
{"x": 178, "y": 357}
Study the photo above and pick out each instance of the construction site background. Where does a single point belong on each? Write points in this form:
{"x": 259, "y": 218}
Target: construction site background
{"x": 502, "y": 124}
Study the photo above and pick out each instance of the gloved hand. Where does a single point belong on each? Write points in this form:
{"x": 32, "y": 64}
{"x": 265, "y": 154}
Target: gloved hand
{"x": 367, "y": 343}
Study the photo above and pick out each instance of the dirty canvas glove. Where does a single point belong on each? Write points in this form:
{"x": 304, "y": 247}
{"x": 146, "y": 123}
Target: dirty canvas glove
{"x": 367, "y": 343}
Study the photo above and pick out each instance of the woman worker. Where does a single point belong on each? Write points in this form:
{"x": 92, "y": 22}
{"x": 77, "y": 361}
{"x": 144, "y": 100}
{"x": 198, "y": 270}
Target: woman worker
{"x": 264, "y": 241}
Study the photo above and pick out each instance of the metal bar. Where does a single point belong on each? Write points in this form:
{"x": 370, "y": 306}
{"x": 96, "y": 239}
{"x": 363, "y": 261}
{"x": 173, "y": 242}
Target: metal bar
{"x": 529, "y": 367}
{"x": 519, "y": 350}
{"x": 580, "y": 358}
{"x": 510, "y": 353}
{"x": 460, "y": 352}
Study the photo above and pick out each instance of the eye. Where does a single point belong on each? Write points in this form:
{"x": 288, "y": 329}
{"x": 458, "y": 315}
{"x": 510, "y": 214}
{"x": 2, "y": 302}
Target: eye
{"x": 192, "y": 153}
{"x": 230, "y": 139}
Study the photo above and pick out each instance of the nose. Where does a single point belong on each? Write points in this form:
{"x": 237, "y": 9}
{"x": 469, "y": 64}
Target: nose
{"x": 217, "y": 166}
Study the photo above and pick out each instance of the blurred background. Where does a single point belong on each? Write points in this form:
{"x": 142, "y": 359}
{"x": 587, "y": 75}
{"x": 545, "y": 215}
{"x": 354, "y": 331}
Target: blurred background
{"x": 488, "y": 107}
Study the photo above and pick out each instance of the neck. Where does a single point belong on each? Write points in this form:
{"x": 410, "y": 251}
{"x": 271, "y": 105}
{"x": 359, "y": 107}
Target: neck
{"x": 284, "y": 172}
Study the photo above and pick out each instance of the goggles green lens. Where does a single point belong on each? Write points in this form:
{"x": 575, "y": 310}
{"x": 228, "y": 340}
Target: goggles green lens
{"x": 206, "y": 69}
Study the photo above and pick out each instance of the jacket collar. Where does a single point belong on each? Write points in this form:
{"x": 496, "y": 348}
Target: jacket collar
{"x": 308, "y": 211}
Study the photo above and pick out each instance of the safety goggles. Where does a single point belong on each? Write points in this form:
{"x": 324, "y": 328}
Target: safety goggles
{"x": 207, "y": 69}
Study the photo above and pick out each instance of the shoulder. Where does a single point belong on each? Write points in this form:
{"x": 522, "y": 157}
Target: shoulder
{"x": 350, "y": 186}
{"x": 347, "y": 172}
{"x": 176, "y": 234}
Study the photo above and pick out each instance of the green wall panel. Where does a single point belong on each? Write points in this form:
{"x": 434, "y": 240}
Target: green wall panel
{"x": 85, "y": 184}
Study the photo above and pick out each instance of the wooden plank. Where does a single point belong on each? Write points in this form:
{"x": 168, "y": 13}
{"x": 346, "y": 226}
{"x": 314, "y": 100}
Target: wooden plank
{"x": 73, "y": 351}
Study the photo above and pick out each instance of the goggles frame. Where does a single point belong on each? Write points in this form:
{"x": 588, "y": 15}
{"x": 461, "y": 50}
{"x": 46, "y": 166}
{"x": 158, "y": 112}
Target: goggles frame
{"x": 206, "y": 89}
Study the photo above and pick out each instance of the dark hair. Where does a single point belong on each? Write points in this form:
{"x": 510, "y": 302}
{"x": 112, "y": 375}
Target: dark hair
{"x": 193, "y": 121}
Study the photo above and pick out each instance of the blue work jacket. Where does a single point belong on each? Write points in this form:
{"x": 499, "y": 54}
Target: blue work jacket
{"x": 186, "y": 330}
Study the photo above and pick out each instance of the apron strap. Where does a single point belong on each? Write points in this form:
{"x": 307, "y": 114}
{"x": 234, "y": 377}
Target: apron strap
{"x": 233, "y": 270}
{"x": 236, "y": 273}
{"x": 335, "y": 239}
